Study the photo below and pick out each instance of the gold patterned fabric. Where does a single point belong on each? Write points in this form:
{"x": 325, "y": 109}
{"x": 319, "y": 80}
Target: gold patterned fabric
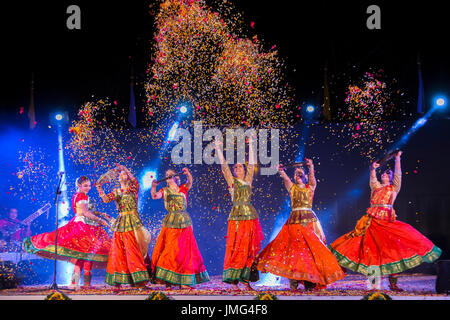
{"x": 177, "y": 216}
{"x": 127, "y": 221}
{"x": 125, "y": 202}
{"x": 301, "y": 204}
{"x": 128, "y": 218}
{"x": 382, "y": 199}
{"x": 241, "y": 194}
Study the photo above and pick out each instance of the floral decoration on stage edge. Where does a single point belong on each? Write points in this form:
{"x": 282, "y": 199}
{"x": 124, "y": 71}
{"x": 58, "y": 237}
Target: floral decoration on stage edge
{"x": 376, "y": 296}
{"x": 158, "y": 295}
{"x": 266, "y": 296}
{"x": 56, "y": 295}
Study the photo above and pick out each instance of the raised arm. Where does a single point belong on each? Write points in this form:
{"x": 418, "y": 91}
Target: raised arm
{"x": 251, "y": 162}
{"x": 223, "y": 163}
{"x": 156, "y": 195}
{"x": 312, "y": 176}
{"x": 374, "y": 183}
{"x": 397, "y": 181}
{"x": 287, "y": 181}
{"x": 188, "y": 174}
{"x": 105, "y": 197}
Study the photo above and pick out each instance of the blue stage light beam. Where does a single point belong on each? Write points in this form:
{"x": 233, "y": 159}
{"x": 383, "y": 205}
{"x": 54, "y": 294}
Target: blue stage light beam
{"x": 183, "y": 109}
{"x": 64, "y": 269}
{"x": 173, "y": 131}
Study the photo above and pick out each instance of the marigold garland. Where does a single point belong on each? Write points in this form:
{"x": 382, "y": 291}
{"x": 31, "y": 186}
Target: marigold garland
{"x": 56, "y": 295}
{"x": 266, "y": 296}
{"x": 376, "y": 296}
{"x": 158, "y": 295}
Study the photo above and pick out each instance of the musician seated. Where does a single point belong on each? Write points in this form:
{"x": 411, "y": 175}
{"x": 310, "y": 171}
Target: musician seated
{"x": 13, "y": 231}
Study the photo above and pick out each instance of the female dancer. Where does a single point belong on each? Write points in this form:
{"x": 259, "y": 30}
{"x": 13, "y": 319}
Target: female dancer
{"x": 131, "y": 239}
{"x": 380, "y": 244}
{"x": 176, "y": 258}
{"x": 299, "y": 251}
{"x": 244, "y": 233}
{"x": 82, "y": 241}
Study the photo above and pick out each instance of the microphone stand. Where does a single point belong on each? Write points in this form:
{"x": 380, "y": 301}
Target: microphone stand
{"x": 54, "y": 286}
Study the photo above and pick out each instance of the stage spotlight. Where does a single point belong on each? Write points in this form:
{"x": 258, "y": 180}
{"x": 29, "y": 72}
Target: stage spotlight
{"x": 173, "y": 131}
{"x": 183, "y": 109}
{"x": 440, "y": 102}
{"x": 147, "y": 179}
{"x": 59, "y": 118}
{"x": 310, "y": 109}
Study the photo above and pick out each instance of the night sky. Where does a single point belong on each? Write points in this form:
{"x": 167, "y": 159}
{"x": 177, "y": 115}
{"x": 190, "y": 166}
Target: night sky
{"x": 72, "y": 65}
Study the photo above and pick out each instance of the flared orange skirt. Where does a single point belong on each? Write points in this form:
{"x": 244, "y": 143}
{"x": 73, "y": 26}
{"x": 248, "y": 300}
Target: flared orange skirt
{"x": 383, "y": 248}
{"x": 176, "y": 258}
{"x": 243, "y": 245}
{"x": 297, "y": 253}
{"x": 126, "y": 263}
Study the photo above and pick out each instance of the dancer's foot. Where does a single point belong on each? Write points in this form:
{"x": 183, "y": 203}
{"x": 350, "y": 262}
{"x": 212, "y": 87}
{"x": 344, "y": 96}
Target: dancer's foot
{"x": 184, "y": 287}
{"x": 320, "y": 287}
{"x": 116, "y": 288}
{"x": 235, "y": 287}
{"x": 309, "y": 286}
{"x": 141, "y": 285}
{"x": 75, "y": 283}
{"x": 73, "y": 286}
{"x": 395, "y": 288}
{"x": 248, "y": 286}
{"x": 293, "y": 284}
{"x": 393, "y": 279}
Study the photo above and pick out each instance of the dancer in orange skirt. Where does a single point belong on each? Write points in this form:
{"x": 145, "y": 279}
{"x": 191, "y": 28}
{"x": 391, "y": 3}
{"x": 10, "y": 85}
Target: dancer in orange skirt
{"x": 244, "y": 233}
{"x": 380, "y": 244}
{"x": 176, "y": 258}
{"x": 299, "y": 251}
{"x": 82, "y": 241}
{"x": 130, "y": 241}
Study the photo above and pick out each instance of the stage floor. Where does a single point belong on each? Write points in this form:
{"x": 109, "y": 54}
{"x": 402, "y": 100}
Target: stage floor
{"x": 352, "y": 287}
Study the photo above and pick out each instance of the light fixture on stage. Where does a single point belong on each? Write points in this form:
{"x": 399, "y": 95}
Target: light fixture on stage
{"x": 440, "y": 102}
{"x": 59, "y": 118}
{"x": 183, "y": 109}
{"x": 310, "y": 109}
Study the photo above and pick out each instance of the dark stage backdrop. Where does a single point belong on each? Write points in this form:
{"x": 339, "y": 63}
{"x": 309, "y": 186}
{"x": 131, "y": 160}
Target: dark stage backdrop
{"x": 341, "y": 197}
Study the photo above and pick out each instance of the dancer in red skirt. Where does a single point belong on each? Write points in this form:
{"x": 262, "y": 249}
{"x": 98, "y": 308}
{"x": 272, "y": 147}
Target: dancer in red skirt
{"x": 176, "y": 258}
{"x": 126, "y": 263}
{"x": 82, "y": 241}
{"x": 244, "y": 233}
{"x": 299, "y": 251}
{"x": 380, "y": 244}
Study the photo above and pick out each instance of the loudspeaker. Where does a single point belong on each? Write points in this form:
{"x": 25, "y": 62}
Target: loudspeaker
{"x": 443, "y": 276}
